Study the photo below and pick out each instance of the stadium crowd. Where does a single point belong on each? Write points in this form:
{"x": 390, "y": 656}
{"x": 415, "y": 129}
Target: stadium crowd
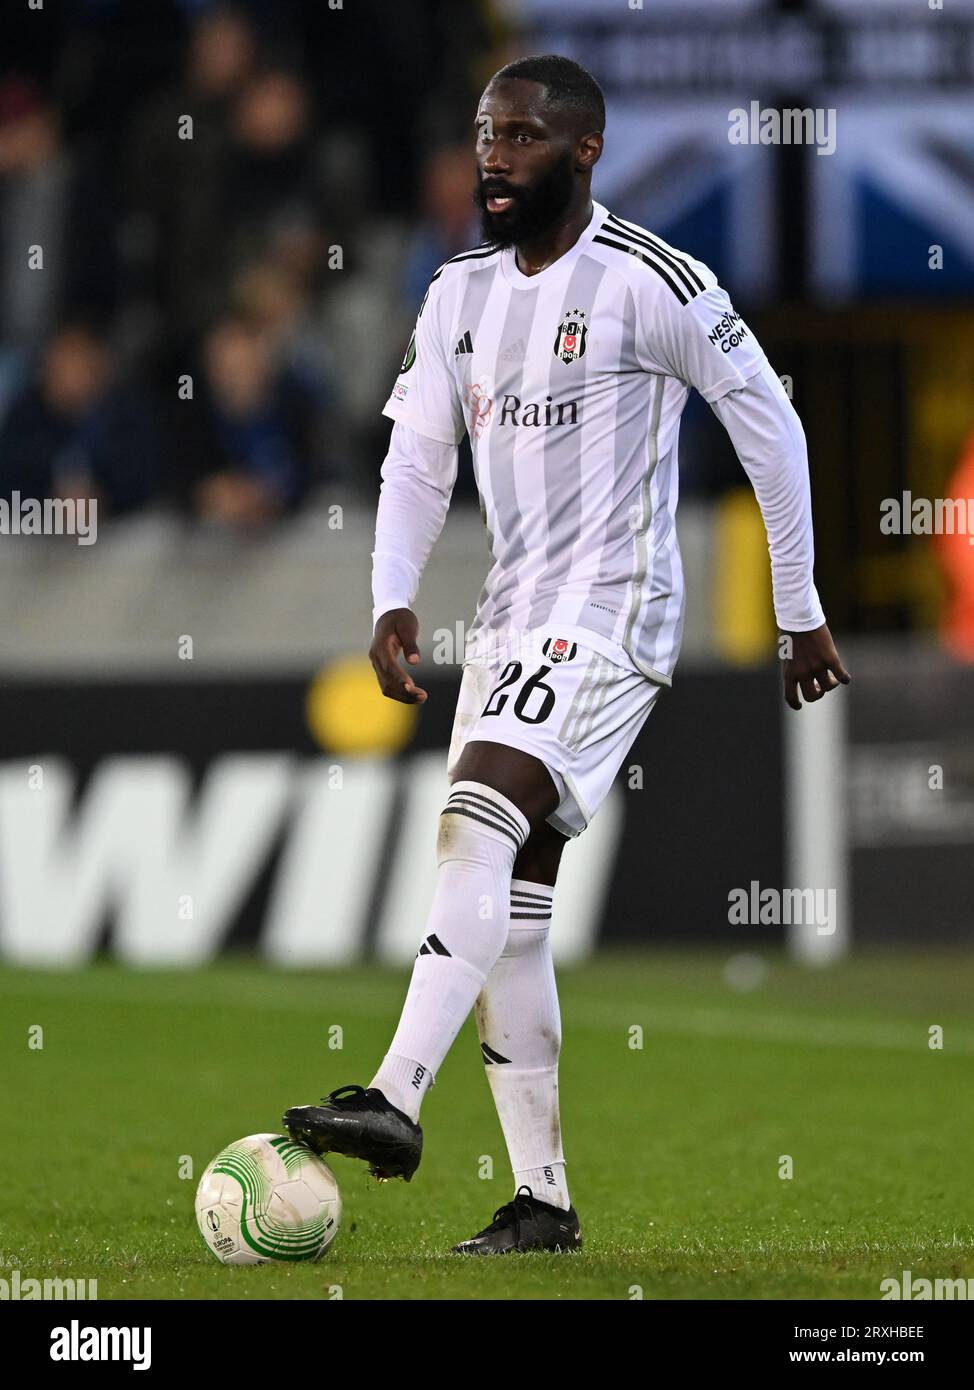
{"x": 212, "y": 248}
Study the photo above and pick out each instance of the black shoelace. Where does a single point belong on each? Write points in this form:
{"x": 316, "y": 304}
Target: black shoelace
{"x": 513, "y": 1210}
{"x": 343, "y": 1095}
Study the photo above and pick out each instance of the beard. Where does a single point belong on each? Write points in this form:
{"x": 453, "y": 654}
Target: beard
{"x": 533, "y": 210}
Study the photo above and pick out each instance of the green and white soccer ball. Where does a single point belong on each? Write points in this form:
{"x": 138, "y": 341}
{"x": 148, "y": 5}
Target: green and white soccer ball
{"x": 268, "y": 1198}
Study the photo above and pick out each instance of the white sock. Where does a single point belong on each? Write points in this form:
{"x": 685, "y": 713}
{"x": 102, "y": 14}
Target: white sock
{"x": 519, "y": 1023}
{"x": 404, "y": 1082}
{"x": 481, "y": 832}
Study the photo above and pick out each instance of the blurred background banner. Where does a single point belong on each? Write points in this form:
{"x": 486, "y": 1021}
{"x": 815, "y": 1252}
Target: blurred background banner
{"x": 170, "y": 821}
{"x": 902, "y": 175}
{"x": 217, "y": 222}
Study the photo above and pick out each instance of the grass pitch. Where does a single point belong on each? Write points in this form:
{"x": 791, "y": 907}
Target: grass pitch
{"x": 674, "y": 1148}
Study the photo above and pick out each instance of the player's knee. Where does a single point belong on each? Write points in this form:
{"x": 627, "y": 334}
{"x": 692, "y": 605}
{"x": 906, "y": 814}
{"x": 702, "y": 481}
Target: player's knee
{"x": 539, "y": 858}
{"x": 478, "y": 824}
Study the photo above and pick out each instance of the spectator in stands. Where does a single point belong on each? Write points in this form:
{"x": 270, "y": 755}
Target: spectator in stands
{"x": 175, "y": 227}
{"x": 274, "y": 298}
{"x": 76, "y": 429}
{"x": 250, "y": 442}
{"x": 274, "y": 192}
{"x": 54, "y": 205}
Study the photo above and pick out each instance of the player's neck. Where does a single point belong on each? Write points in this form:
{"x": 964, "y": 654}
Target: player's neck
{"x": 534, "y": 256}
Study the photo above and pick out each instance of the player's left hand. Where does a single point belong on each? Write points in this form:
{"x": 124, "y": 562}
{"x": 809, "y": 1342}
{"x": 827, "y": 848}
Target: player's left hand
{"x": 814, "y": 666}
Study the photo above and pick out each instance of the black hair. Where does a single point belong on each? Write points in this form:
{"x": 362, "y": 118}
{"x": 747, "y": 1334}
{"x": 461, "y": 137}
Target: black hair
{"x": 568, "y": 86}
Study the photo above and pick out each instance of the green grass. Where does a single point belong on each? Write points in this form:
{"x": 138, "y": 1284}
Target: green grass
{"x": 673, "y": 1149}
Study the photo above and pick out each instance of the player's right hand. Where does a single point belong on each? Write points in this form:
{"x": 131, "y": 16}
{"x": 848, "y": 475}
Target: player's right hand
{"x": 395, "y": 635}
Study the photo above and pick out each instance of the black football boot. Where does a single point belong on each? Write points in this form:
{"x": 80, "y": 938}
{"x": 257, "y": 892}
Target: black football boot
{"x": 525, "y": 1224}
{"x": 362, "y": 1124}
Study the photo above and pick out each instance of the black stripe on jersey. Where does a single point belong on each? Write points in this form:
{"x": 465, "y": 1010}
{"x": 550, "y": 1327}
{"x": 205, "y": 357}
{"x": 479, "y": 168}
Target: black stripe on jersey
{"x": 679, "y": 263}
{"x": 492, "y": 1057}
{"x": 466, "y": 256}
{"x": 641, "y": 256}
{"x": 476, "y": 255}
{"x": 483, "y": 803}
{"x": 523, "y": 895}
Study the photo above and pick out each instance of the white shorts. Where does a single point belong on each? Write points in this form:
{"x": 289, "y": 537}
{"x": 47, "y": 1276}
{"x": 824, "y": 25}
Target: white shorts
{"x": 567, "y": 705}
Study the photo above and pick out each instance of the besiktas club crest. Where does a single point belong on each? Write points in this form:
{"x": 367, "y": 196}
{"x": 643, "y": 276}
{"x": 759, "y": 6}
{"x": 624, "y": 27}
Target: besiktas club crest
{"x": 559, "y": 649}
{"x": 570, "y": 342}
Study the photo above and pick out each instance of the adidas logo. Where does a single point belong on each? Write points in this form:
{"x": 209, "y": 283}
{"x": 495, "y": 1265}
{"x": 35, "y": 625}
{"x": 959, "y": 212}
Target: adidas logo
{"x": 464, "y": 345}
{"x": 517, "y": 352}
{"x": 433, "y": 946}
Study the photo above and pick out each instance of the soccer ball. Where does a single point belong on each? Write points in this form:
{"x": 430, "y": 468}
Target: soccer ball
{"x": 268, "y": 1198}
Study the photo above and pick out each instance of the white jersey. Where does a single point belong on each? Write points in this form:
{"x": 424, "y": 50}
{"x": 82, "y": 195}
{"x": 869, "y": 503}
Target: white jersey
{"x": 571, "y": 384}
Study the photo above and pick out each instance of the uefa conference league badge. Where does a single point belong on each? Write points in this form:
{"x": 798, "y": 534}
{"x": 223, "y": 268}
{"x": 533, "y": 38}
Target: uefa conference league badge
{"x": 570, "y": 342}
